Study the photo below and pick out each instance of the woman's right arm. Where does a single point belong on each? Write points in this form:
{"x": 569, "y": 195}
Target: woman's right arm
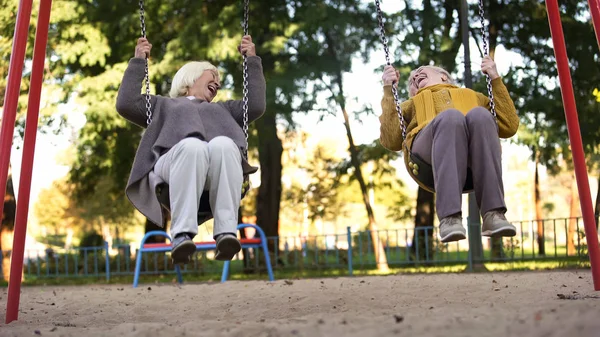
{"x": 390, "y": 131}
{"x": 131, "y": 103}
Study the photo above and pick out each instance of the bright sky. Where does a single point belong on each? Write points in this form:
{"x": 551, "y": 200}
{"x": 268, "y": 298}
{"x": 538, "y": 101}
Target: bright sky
{"x": 363, "y": 83}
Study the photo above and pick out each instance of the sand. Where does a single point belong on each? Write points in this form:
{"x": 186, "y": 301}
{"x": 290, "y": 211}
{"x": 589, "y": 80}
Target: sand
{"x": 491, "y": 304}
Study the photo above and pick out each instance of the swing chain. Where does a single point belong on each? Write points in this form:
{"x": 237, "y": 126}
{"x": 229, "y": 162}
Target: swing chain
{"x": 245, "y": 80}
{"x": 387, "y": 59}
{"x": 486, "y": 53}
{"x": 146, "y": 73}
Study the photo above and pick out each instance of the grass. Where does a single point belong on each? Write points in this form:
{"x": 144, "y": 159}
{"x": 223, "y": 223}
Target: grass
{"x": 237, "y": 275}
{"x": 308, "y": 263}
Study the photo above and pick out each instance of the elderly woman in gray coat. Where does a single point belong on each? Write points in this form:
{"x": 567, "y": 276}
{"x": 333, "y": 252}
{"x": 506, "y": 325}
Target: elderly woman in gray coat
{"x": 193, "y": 145}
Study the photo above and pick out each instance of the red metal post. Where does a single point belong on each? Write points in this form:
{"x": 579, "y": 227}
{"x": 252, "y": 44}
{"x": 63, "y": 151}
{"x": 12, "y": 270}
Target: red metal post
{"x": 11, "y": 97}
{"x": 595, "y": 12}
{"x": 33, "y": 109}
{"x": 568, "y": 97}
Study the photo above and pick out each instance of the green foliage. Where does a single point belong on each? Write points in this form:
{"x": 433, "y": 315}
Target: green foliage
{"x": 425, "y": 34}
{"x": 70, "y": 40}
{"x": 321, "y": 193}
{"x": 58, "y": 209}
{"x": 53, "y": 208}
{"x": 535, "y": 85}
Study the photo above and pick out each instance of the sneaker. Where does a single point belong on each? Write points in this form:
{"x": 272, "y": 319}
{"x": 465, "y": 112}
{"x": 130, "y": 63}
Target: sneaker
{"x": 452, "y": 229}
{"x": 496, "y": 225}
{"x": 183, "y": 248}
{"x": 228, "y": 246}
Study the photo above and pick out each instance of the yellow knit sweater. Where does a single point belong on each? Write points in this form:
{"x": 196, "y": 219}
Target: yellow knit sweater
{"x": 391, "y": 134}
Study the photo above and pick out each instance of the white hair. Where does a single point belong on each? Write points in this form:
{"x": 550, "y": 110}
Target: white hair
{"x": 187, "y": 75}
{"x": 439, "y": 70}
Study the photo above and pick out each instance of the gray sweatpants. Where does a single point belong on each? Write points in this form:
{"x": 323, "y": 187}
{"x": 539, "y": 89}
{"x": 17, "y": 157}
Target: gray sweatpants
{"x": 193, "y": 166}
{"x": 451, "y": 142}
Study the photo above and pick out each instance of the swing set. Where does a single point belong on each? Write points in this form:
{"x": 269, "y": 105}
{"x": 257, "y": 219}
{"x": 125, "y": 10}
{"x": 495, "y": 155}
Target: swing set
{"x": 39, "y": 56}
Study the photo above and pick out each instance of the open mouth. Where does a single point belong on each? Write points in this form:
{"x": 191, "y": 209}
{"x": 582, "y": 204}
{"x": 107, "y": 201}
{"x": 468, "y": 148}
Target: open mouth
{"x": 420, "y": 80}
{"x": 213, "y": 89}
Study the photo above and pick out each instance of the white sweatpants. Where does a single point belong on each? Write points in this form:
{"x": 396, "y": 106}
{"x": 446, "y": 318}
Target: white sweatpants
{"x": 193, "y": 166}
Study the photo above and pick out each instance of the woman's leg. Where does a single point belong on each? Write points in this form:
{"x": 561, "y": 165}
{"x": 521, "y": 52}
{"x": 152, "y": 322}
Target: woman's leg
{"x": 225, "y": 178}
{"x": 485, "y": 160}
{"x": 444, "y": 144}
{"x": 184, "y": 167}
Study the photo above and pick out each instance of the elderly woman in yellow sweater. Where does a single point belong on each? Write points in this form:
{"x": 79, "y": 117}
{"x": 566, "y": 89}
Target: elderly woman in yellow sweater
{"x": 452, "y": 130}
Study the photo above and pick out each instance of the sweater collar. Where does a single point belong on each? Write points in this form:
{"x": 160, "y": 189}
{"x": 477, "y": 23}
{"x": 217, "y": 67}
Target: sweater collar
{"x": 192, "y": 98}
{"x": 437, "y": 87}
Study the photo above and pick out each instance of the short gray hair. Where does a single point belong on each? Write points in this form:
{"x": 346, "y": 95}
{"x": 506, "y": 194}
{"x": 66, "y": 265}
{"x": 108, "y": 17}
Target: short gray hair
{"x": 187, "y": 75}
{"x": 439, "y": 70}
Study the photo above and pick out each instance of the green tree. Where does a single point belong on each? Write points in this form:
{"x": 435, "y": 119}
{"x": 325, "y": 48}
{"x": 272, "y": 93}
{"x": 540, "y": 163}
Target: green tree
{"x": 535, "y": 83}
{"x": 335, "y": 32}
{"x": 63, "y": 45}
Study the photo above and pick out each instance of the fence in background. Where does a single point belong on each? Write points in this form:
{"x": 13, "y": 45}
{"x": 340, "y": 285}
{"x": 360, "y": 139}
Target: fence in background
{"x": 344, "y": 253}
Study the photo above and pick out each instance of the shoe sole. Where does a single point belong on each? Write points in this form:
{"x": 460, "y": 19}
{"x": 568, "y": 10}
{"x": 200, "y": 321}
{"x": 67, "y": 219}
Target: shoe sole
{"x": 227, "y": 248}
{"x": 454, "y": 236}
{"x": 181, "y": 254}
{"x": 505, "y": 231}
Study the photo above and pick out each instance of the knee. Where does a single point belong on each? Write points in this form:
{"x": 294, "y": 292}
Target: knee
{"x": 451, "y": 117}
{"x": 191, "y": 148}
{"x": 479, "y": 116}
{"x": 222, "y": 143}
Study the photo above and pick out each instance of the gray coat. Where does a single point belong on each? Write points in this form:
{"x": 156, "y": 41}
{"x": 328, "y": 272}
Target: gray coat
{"x": 174, "y": 119}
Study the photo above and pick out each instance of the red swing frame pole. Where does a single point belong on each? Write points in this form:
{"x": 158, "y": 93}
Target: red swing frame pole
{"x": 568, "y": 98}
{"x": 11, "y": 97}
{"x": 33, "y": 109}
{"x": 595, "y": 12}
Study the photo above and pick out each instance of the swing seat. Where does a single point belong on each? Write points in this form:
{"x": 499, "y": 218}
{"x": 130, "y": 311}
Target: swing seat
{"x": 422, "y": 173}
{"x": 204, "y": 210}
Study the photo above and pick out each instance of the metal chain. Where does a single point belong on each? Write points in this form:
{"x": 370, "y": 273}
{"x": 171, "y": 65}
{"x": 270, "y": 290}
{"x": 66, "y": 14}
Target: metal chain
{"x": 387, "y": 59}
{"x": 245, "y": 80}
{"x": 486, "y": 53}
{"x": 146, "y": 73}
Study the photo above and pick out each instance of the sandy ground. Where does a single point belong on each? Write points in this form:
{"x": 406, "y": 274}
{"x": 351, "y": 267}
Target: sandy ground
{"x": 496, "y": 304}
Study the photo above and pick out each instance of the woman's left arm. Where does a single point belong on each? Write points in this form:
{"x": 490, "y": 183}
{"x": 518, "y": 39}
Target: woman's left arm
{"x": 257, "y": 101}
{"x": 506, "y": 113}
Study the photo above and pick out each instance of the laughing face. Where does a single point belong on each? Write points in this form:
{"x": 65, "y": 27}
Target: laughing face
{"x": 424, "y": 77}
{"x": 206, "y": 86}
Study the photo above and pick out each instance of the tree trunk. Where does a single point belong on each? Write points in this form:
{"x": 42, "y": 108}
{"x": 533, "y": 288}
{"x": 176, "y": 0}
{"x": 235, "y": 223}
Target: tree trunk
{"x": 270, "y": 150}
{"x": 571, "y": 248}
{"x": 422, "y": 246}
{"x": 538, "y": 210}
{"x": 69, "y": 238}
{"x": 106, "y": 234}
{"x": 150, "y": 226}
{"x": 496, "y": 248}
{"x": 8, "y": 226}
{"x": 378, "y": 249}
{"x": 380, "y": 257}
